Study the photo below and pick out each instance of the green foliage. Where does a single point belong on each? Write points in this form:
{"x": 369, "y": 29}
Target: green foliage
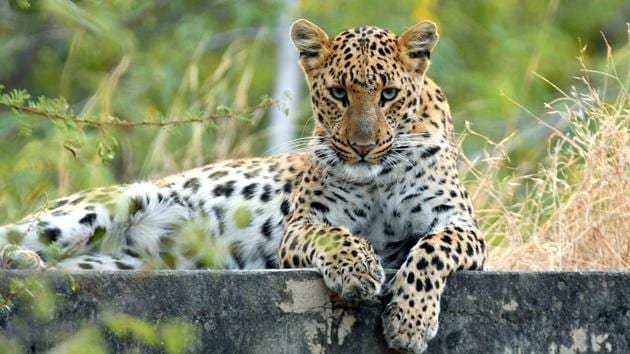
{"x": 35, "y": 299}
{"x": 34, "y": 292}
{"x": 179, "y": 336}
{"x": 242, "y": 217}
{"x": 124, "y": 325}
{"x": 89, "y": 338}
{"x": 175, "y": 336}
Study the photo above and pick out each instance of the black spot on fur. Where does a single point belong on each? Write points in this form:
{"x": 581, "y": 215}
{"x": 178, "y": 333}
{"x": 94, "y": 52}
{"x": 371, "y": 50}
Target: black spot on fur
{"x": 77, "y": 201}
{"x": 420, "y": 54}
{"x": 135, "y": 205}
{"x": 442, "y": 208}
{"x": 132, "y": 253}
{"x": 270, "y": 263}
{"x": 239, "y": 260}
{"x": 123, "y": 266}
{"x": 433, "y": 223}
{"x": 360, "y": 213}
{"x": 285, "y": 207}
{"x": 422, "y": 264}
{"x": 319, "y": 207}
{"x": 217, "y": 174}
{"x": 193, "y": 184}
{"x": 388, "y": 230}
{"x": 411, "y": 278}
{"x": 220, "y": 214}
{"x": 60, "y": 203}
{"x": 267, "y": 228}
{"x": 410, "y": 196}
{"x": 225, "y": 189}
{"x": 432, "y": 150}
{"x": 86, "y": 266}
{"x": 428, "y": 285}
{"x": 88, "y": 219}
{"x": 427, "y": 248}
{"x": 469, "y": 249}
{"x": 416, "y": 209}
{"x": 386, "y": 170}
{"x": 249, "y": 191}
{"x": 49, "y": 235}
{"x": 266, "y": 196}
{"x": 439, "y": 265}
{"x": 419, "y": 285}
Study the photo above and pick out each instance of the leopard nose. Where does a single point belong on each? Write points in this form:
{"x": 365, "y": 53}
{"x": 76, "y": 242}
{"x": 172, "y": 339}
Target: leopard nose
{"x": 363, "y": 150}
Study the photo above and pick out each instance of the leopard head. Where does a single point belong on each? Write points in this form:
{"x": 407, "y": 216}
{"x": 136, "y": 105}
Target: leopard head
{"x": 364, "y": 84}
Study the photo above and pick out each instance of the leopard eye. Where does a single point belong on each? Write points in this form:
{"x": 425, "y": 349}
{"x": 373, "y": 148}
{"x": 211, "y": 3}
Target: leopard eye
{"x": 338, "y": 93}
{"x": 389, "y": 94}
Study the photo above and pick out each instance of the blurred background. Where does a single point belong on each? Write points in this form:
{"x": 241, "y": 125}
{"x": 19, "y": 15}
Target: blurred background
{"x": 144, "y": 61}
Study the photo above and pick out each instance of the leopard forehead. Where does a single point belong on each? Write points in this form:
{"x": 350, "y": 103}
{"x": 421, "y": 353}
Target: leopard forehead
{"x": 363, "y": 57}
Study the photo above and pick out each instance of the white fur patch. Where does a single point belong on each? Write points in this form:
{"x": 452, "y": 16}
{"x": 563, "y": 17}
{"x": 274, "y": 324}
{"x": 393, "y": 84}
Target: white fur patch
{"x": 145, "y": 227}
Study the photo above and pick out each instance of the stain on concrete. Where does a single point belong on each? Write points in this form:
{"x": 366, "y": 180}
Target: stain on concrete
{"x": 345, "y": 327}
{"x": 312, "y": 333}
{"x": 305, "y": 296}
{"x": 510, "y": 306}
{"x": 580, "y": 342}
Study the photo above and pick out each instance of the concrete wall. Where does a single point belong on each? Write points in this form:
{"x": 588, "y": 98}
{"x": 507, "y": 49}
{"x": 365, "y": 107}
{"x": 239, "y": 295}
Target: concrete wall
{"x": 292, "y": 312}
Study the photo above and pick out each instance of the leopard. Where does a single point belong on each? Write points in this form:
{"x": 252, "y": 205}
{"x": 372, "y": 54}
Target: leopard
{"x": 377, "y": 187}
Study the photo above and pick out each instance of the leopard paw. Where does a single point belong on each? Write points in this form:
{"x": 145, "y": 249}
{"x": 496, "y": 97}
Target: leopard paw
{"x": 355, "y": 273}
{"x": 410, "y": 321}
{"x": 17, "y": 257}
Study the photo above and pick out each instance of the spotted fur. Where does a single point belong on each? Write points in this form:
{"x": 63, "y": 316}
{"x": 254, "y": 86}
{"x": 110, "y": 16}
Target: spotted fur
{"x": 377, "y": 187}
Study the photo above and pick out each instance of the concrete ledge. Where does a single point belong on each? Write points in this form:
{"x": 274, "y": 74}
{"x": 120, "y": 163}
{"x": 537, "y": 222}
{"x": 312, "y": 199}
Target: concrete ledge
{"x": 292, "y": 312}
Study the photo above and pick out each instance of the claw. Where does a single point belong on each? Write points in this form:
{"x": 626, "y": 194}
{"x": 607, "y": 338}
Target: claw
{"x": 359, "y": 277}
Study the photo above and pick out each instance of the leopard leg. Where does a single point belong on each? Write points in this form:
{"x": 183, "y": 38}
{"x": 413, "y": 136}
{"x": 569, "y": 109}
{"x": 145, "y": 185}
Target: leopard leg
{"x": 410, "y": 320}
{"x": 348, "y": 264}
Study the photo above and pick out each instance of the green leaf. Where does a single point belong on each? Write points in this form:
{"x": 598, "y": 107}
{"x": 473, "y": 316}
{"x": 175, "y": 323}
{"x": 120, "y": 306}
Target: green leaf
{"x": 89, "y": 339}
{"x": 125, "y": 325}
{"x": 107, "y": 148}
{"x": 73, "y": 146}
{"x": 242, "y": 217}
{"x": 179, "y": 336}
{"x": 74, "y": 286}
{"x": 15, "y": 236}
{"x": 15, "y": 97}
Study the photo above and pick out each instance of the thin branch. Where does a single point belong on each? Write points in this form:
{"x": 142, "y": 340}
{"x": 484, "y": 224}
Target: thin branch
{"x": 122, "y": 123}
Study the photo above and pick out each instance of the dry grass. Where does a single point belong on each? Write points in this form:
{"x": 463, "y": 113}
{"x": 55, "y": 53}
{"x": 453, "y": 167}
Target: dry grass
{"x": 573, "y": 211}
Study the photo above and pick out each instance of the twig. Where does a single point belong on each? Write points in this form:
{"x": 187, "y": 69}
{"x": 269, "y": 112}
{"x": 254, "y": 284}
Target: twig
{"x": 122, "y": 123}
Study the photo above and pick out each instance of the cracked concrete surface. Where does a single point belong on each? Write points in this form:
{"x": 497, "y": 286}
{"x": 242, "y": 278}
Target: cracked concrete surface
{"x": 292, "y": 312}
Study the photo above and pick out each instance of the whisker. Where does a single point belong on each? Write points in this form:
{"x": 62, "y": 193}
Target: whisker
{"x": 291, "y": 143}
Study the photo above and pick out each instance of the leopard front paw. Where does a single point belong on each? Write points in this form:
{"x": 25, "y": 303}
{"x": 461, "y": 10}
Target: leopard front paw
{"x": 410, "y": 321}
{"x": 355, "y": 273}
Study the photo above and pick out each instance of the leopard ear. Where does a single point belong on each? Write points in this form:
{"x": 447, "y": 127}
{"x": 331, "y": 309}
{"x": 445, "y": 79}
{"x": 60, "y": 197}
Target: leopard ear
{"x": 416, "y": 44}
{"x": 311, "y": 42}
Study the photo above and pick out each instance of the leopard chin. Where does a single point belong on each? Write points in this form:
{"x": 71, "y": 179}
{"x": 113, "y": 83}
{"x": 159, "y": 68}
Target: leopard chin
{"x": 360, "y": 171}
